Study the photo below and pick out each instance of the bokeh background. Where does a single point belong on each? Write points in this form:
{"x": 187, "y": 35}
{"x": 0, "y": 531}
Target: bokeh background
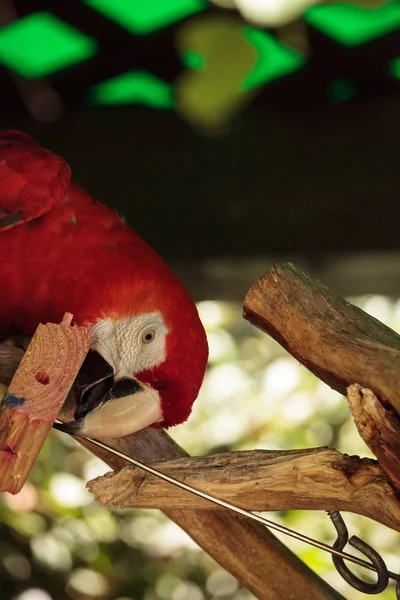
{"x": 230, "y": 134}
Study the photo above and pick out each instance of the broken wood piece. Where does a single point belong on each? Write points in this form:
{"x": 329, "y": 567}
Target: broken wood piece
{"x": 259, "y": 480}
{"x": 379, "y": 428}
{"x": 34, "y": 397}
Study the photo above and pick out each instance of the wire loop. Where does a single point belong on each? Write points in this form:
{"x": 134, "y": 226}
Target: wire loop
{"x": 375, "y": 558}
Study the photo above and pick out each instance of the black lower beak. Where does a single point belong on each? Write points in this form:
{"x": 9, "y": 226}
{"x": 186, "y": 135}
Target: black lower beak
{"x": 108, "y": 407}
{"x": 93, "y": 396}
{"x": 95, "y": 385}
{"x": 99, "y": 394}
{"x": 71, "y": 427}
{"x": 90, "y": 398}
{"x": 94, "y": 380}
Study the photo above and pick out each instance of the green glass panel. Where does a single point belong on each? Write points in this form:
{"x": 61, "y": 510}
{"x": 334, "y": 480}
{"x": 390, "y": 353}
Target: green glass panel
{"x": 395, "y": 67}
{"x": 145, "y": 16}
{"x": 351, "y": 25}
{"x": 342, "y": 90}
{"x": 40, "y": 44}
{"x": 193, "y": 60}
{"x": 134, "y": 87}
{"x": 274, "y": 59}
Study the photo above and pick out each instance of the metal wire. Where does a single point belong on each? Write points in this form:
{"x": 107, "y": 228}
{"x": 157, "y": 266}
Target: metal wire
{"x": 245, "y": 513}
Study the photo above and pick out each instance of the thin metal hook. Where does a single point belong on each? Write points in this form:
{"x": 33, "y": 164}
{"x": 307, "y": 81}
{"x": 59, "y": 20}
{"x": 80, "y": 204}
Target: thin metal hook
{"x": 375, "y": 558}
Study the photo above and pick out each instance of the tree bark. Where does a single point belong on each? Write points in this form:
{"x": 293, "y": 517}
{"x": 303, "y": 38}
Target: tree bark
{"x": 260, "y": 480}
{"x": 244, "y": 548}
{"x": 379, "y": 428}
{"x": 338, "y": 342}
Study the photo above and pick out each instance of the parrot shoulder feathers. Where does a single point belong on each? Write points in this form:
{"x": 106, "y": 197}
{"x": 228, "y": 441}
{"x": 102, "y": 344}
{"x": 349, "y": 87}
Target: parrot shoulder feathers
{"x": 32, "y": 179}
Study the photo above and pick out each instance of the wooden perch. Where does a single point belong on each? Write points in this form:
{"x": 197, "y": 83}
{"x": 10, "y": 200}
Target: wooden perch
{"x": 338, "y": 342}
{"x": 244, "y": 548}
{"x": 34, "y": 397}
{"x": 260, "y": 480}
{"x": 342, "y": 345}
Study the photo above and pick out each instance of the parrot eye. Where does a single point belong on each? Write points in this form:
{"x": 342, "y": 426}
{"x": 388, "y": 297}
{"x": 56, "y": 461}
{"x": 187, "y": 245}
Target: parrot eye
{"x": 148, "y": 336}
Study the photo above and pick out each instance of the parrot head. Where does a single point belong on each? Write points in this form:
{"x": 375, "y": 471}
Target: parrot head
{"x": 146, "y": 364}
{"x": 148, "y": 348}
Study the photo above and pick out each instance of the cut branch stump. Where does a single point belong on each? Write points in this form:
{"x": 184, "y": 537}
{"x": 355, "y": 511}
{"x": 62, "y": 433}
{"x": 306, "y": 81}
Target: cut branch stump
{"x": 379, "y": 427}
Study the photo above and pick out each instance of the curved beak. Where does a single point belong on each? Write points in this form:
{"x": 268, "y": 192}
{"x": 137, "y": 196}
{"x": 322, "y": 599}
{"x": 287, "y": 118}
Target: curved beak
{"x": 113, "y": 409}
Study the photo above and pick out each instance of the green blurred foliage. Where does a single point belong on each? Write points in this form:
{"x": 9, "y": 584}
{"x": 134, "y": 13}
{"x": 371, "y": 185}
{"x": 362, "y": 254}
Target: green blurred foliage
{"x": 57, "y": 544}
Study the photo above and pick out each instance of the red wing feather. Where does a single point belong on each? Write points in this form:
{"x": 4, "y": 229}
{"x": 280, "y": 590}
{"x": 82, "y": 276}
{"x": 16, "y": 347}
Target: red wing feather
{"x": 32, "y": 179}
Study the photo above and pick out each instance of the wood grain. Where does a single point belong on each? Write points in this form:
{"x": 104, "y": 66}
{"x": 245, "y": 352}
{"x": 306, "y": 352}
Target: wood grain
{"x": 260, "y": 480}
{"x": 379, "y": 427}
{"x": 338, "y": 342}
{"x": 34, "y": 397}
{"x": 246, "y": 549}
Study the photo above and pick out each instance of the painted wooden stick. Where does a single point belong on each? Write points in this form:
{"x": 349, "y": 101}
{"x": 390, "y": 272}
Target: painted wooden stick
{"x": 35, "y": 396}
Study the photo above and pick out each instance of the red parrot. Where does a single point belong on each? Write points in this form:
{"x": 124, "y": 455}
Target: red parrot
{"x": 62, "y": 251}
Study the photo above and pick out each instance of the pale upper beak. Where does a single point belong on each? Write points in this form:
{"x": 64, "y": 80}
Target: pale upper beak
{"x": 113, "y": 409}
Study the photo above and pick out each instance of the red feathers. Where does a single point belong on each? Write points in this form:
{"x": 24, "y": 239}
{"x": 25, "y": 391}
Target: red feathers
{"x": 32, "y": 179}
{"x": 61, "y": 251}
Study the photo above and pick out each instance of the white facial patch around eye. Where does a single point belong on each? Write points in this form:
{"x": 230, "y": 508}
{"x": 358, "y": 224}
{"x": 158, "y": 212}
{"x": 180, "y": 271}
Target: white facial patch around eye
{"x": 131, "y": 345}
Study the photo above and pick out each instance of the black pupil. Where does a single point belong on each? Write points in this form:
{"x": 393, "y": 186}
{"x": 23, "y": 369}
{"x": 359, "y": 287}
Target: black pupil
{"x": 148, "y": 337}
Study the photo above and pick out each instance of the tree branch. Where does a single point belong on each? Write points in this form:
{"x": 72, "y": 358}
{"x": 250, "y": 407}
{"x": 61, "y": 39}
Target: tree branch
{"x": 246, "y": 549}
{"x": 316, "y": 479}
{"x": 338, "y": 342}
